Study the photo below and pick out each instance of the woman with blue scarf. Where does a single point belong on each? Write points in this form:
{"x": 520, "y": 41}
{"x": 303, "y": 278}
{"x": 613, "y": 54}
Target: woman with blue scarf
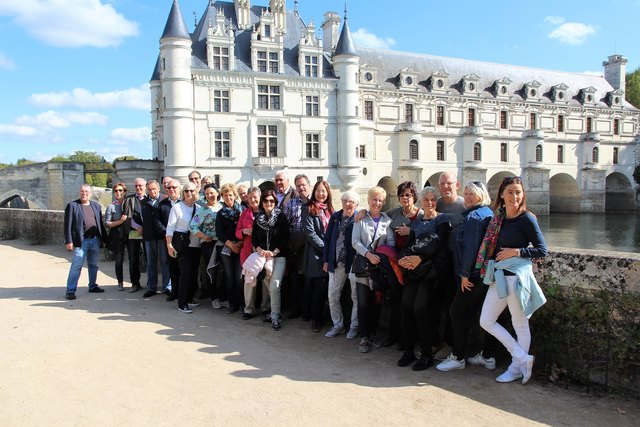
{"x": 226, "y": 222}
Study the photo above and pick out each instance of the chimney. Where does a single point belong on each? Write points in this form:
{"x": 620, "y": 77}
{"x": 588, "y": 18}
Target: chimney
{"x": 615, "y": 71}
{"x": 330, "y": 31}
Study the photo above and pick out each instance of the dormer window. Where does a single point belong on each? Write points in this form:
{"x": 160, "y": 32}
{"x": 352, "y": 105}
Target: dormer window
{"x": 470, "y": 84}
{"x": 614, "y": 98}
{"x": 501, "y": 87}
{"x": 558, "y": 93}
{"x": 408, "y": 78}
{"x": 310, "y": 52}
{"x": 220, "y": 45}
{"x": 587, "y": 95}
{"x": 531, "y": 90}
{"x": 267, "y": 31}
{"x": 439, "y": 81}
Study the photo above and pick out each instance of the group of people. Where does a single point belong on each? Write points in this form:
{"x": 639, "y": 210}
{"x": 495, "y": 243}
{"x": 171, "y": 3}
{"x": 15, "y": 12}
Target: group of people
{"x": 442, "y": 265}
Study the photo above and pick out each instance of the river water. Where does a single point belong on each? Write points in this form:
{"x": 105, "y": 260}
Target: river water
{"x": 609, "y": 232}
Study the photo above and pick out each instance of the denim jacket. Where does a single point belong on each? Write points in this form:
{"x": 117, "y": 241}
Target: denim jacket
{"x": 467, "y": 239}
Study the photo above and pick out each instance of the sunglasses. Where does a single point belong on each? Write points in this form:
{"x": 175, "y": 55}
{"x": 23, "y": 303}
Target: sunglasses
{"x": 172, "y": 187}
{"x": 512, "y": 179}
{"x": 189, "y": 191}
{"x": 406, "y": 195}
{"x": 119, "y": 190}
{"x": 269, "y": 201}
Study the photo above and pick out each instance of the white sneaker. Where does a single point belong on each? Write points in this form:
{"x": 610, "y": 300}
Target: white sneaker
{"x": 335, "y": 331}
{"x": 451, "y": 363}
{"x": 509, "y": 376}
{"x": 353, "y": 333}
{"x": 478, "y": 360}
{"x": 527, "y": 369}
{"x": 216, "y": 304}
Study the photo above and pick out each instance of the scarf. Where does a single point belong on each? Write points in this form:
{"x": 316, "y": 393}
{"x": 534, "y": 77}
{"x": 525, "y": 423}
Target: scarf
{"x": 231, "y": 213}
{"x": 267, "y": 222}
{"x": 488, "y": 245}
{"x": 323, "y": 214}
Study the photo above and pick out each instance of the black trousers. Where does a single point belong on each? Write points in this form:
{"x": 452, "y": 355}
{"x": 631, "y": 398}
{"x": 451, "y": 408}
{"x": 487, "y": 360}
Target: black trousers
{"x": 465, "y": 314}
{"x": 233, "y": 280}
{"x": 188, "y": 264}
{"x": 368, "y": 310}
{"x": 174, "y": 273}
{"x": 119, "y": 258}
{"x": 316, "y": 289}
{"x": 416, "y": 313}
{"x": 296, "y": 284}
{"x": 133, "y": 250}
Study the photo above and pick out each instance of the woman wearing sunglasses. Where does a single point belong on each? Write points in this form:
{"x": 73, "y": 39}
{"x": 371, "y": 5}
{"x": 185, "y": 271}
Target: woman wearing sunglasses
{"x": 114, "y": 220}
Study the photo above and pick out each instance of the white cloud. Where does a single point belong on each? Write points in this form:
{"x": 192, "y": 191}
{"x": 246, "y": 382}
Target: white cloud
{"x": 16, "y": 130}
{"x": 362, "y": 37}
{"x": 132, "y": 134}
{"x": 134, "y": 98}
{"x": 54, "y": 120}
{"x": 573, "y": 33}
{"x": 6, "y": 63}
{"x": 70, "y": 23}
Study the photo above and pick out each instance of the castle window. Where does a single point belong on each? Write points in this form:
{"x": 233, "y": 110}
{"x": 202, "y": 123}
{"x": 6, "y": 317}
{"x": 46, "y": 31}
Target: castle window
{"x": 539, "y": 153}
{"x": 267, "y": 140}
{"x": 560, "y": 123}
{"x": 440, "y": 151}
{"x": 312, "y": 106}
{"x": 267, "y": 61}
{"x": 440, "y": 115}
{"x": 477, "y": 152}
{"x": 361, "y": 152}
{"x": 616, "y": 126}
{"x": 268, "y": 97}
{"x": 221, "y": 101}
{"x": 408, "y": 113}
{"x": 595, "y": 155}
{"x": 503, "y": 152}
{"x": 312, "y": 146}
{"x": 311, "y": 66}
{"x": 533, "y": 120}
{"x": 503, "y": 119}
{"x": 472, "y": 116}
{"x": 221, "y": 58}
{"x": 413, "y": 149}
{"x": 267, "y": 30}
{"x": 615, "y": 155}
{"x": 273, "y": 62}
{"x": 368, "y": 110}
{"x": 560, "y": 153}
{"x": 589, "y": 125}
{"x": 222, "y": 143}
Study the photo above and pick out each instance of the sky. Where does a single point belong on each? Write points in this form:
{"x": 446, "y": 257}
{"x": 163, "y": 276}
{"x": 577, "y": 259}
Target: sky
{"x": 74, "y": 74}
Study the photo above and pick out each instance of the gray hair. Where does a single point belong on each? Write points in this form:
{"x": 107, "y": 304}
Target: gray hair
{"x": 428, "y": 189}
{"x": 254, "y": 190}
{"x": 284, "y": 173}
{"x": 350, "y": 195}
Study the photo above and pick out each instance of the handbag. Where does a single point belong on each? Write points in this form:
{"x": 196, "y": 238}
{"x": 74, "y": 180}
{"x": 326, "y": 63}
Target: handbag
{"x": 362, "y": 267}
{"x": 180, "y": 241}
{"x": 114, "y": 239}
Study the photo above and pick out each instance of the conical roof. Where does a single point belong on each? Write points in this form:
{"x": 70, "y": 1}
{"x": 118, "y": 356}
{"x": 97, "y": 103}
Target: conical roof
{"x": 175, "y": 26}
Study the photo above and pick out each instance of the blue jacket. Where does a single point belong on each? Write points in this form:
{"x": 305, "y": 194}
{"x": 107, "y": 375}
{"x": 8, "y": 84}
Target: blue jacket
{"x": 314, "y": 244}
{"x": 150, "y": 215}
{"x": 468, "y": 236}
{"x": 527, "y": 290}
{"x": 330, "y": 240}
{"x": 74, "y": 223}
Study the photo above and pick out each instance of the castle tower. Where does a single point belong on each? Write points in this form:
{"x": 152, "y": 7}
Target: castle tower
{"x": 176, "y": 88}
{"x": 615, "y": 71}
{"x": 346, "y": 64}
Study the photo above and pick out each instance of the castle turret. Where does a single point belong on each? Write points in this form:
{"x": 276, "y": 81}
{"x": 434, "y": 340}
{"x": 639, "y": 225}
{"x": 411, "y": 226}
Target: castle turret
{"x": 176, "y": 88}
{"x": 346, "y": 64}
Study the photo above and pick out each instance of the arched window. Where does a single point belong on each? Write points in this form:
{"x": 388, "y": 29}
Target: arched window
{"x": 477, "y": 152}
{"x": 413, "y": 149}
{"x": 539, "y": 153}
{"x": 595, "y": 155}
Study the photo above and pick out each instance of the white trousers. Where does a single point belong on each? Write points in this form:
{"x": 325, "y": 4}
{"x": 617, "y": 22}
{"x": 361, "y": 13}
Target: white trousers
{"x": 492, "y": 308}
{"x": 336, "y": 283}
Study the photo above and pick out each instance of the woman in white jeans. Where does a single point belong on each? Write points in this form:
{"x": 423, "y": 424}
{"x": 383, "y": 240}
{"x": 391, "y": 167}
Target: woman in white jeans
{"x": 512, "y": 239}
{"x": 338, "y": 256}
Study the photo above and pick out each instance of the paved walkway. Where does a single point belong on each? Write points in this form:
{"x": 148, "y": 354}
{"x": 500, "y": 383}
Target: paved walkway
{"x": 117, "y": 359}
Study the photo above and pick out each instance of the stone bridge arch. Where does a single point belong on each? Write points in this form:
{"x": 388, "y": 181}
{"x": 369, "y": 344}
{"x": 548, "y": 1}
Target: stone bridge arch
{"x": 433, "y": 180}
{"x": 564, "y": 194}
{"x": 493, "y": 184}
{"x": 619, "y": 193}
{"x": 20, "y": 199}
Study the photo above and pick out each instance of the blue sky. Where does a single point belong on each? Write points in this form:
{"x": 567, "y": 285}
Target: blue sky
{"x": 74, "y": 73}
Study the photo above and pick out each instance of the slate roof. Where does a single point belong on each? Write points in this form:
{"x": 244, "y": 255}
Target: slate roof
{"x": 345, "y": 45}
{"x": 175, "y": 26}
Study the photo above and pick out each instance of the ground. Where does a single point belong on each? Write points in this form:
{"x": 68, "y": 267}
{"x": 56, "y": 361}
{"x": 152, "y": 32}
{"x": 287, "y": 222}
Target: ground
{"x": 116, "y": 359}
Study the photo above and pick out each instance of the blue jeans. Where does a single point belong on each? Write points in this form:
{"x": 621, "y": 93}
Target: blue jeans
{"x": 90, "y": 250}
{"x": 155, "y": 249}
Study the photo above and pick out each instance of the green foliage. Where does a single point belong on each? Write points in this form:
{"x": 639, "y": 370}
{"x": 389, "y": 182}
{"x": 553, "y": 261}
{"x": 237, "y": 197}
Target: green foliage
{"x": 5, "y": 165}
{"x": 93, "y": 162}
{"x": 24, "y": 162}
{"x": 632, "y": 90}
{"x": 124, "y": 158}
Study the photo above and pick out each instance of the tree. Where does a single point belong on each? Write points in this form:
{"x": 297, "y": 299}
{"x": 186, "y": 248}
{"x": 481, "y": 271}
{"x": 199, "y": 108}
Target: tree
{"x": 124, "y": 158}
{"x": 24, "y": 162}
{"x": 92, "y": 161}
{"x": 632, "y": 90}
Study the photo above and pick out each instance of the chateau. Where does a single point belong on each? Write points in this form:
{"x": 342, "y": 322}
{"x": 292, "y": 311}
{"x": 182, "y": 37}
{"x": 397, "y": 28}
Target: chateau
{"x": 254, "y": 88}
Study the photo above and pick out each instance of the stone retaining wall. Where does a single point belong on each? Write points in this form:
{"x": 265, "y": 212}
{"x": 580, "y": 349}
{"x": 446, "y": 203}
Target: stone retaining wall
{"x": 34, "y": 226}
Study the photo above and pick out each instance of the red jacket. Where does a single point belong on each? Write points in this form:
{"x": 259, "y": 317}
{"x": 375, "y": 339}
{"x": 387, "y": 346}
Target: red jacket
{"x": 245, "y": 221}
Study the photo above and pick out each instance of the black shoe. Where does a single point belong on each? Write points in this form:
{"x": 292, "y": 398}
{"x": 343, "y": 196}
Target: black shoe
{"x": 134, "y": 289}
{"x": 167, "y": 292}
{"x": 171, "y": 298}
{"x": 407, "y": 357}
{"x": 275, "y": 324}
{"x": 232, "y": 310}
{"x": 422, "y": 364}
{"x": 247, "y": 316}
{"x": 149, "y": 294}
{"x": 267, "y": 318}
{"x": 96, "y": 289}
{"x": 315, "y": 326}
{"x": 70, "y": 296}
{"x": 294, "y": 315}
{"x": 388, "y": 342}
